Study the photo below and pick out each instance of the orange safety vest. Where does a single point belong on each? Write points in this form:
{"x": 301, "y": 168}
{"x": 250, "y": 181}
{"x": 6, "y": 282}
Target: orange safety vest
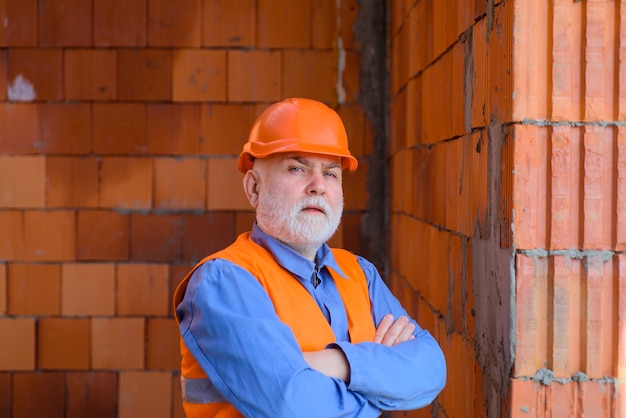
{"x": 293, "y": 304}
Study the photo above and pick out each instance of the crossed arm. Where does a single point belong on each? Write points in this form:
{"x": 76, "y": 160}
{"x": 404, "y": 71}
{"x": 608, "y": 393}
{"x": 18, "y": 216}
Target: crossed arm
{"x": 332, "y": 361}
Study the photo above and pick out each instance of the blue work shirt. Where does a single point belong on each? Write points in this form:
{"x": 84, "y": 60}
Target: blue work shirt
{"x": 253, "y": 361}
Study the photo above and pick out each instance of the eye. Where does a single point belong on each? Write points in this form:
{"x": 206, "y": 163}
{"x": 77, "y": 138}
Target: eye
{"x": 331, "y": 174}
{"x": 296, "y": 169}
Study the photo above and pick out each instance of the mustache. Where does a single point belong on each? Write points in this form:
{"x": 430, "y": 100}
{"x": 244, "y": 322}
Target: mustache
{"x": 314, "y": 201}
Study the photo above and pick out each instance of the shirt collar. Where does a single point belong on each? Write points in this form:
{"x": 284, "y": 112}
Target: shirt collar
{"x": 292, "y": 260}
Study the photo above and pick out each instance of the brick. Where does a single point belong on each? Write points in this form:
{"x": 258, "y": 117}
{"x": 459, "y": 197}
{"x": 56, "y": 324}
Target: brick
{"x": 354, "y": 187}
{"x": 12, "y": 239}
{"x": 3, "y": 75}
{"x": 177, "y": 272}
{"x": 6, "y": 394}
{"x": 309, "y": 73}
{"x": 90, "y": 74}
{"x": 20, "y": 27}
{"x": 71, "y": 182}
{"x": 350, "y": 73}
{"x": 620, "y": 204}
{"x": 119, "y": 128}
{"x": 224, "y": 186}
{"x": 144, "y": 75}
{"x": 155, "y": 237}
{"x": 22, "y": 181}
{"x": 34, "y": 289}
{"x": 20, "y": 136}
{"x": 179, "y": 183}
{"x": 596, "y": 399}
{"x": 599, "y": 317}
{"x": 173, "y": 129}
{"x": 17, "y": 348}
{"x": 244, "y": 221}
{"x": 566, "y": 353}
{"x": 163, "y": 345}
{"x": 398, "y": 123}
{"x": 199, "y": 75}
{"x": 54, "y": 351}
{"x": 152, "y": 282}
{"x": 398, "y": 14}
{"x": 177, "y": 398}
{"x": 351, "y": 237}
{"x": 479, "y": 183}
{"x": 145, "y": 394}
{"x": 3, "y": 289}
{"x": 354, "y": 121}
{"x": 102, "y": 235}
{"x": 34, "y": 74}
{"x": 621, "y": 319}
{"x": 119, "y": 23}
{"x": 87, "y": 289}
{"x": 38, "y": 395}
{"x": 254, "y": 76}
{"x": 225, "y": 127}
{"x": 529, "y": 204}
{"x": 459, "y": 395}
{"x": 91, "y": 394}
{"x": 126, "y": 183}
{"x": 284, "y": 24}
{"x": 207, "y": 233}
{"x": 64, "y": 128}
{"x": 598, "y": 150}
{"x": 479, "y": 110}
{"x": 531, "y": 315}
{"x": 117, "y": 343}
{"x": 174, "y": 24}
{"x": 323, "y": 34}
{"x": 64, "y": 23}
{"x": 564, "y": 197}
{"x": 596, "y": 77}
{"x": 231, "y": 23}
{"x": 563, "y": 400}
{"x": 49, "y": 235}
{"x": 524, "y": 398}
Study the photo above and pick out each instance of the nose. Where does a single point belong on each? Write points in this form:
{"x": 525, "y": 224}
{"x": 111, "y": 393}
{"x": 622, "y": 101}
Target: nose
{"x": 316, "y": 183}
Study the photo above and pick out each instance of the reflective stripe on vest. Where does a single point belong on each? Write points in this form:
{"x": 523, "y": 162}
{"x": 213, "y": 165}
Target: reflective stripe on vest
{"x": 200, "y": 390}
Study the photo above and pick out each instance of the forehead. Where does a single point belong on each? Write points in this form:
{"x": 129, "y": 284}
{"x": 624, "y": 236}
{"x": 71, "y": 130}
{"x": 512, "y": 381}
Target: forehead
{"x": 309, "y": 158}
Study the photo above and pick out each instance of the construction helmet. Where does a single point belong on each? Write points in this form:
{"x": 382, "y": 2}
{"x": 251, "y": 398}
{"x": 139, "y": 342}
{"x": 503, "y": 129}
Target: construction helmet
{"x": 295, "y": 124}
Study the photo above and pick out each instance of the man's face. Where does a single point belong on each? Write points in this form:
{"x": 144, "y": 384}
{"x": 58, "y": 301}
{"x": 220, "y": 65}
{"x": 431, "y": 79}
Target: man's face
{"x": 300, "y": 198}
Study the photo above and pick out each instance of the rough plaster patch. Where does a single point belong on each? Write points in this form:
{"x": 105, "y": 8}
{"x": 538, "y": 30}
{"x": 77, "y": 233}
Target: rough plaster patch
{"x": 574, "y": 124}
{"x": 21, "y": 90}
{"x": 341, "y": 66}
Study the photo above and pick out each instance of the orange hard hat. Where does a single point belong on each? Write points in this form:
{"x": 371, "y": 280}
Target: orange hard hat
{"x": 295, "y": 124}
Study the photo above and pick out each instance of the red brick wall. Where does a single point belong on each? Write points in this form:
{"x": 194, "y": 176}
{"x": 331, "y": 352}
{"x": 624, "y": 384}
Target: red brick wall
{"x": 120, "y": 126}
{"x": 507, "y": 159}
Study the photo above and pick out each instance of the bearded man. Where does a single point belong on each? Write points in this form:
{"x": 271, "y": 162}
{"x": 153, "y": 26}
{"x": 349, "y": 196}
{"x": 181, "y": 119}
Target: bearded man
{"x": 278, "y": 324}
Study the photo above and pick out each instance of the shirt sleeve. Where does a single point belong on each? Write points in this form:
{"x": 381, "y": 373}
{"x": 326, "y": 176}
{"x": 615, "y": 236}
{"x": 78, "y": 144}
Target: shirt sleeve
{"x": 402, "y": 377}
{"x": 228, "y": 322}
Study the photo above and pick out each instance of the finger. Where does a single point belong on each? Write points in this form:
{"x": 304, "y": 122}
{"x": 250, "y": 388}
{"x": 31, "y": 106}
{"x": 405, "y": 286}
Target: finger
{"x": 394, "y": 331}
{"x": 406, "y": 333}
{"x": 382, "y": 328}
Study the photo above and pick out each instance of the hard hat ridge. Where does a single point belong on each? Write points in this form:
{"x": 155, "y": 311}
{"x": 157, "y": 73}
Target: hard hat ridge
{"x": 297, "y": 124}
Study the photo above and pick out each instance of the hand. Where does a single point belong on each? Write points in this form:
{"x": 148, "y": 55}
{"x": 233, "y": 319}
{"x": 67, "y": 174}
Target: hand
{"x": 331, "y": 361}
{"x": 390, "y": 332}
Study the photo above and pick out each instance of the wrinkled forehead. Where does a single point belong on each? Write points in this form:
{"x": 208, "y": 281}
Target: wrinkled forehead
{"x": 305, "y": 158}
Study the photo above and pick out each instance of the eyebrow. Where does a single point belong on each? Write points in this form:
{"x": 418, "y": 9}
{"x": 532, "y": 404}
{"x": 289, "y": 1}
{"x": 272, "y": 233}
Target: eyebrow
{"x": 305, "y": 161}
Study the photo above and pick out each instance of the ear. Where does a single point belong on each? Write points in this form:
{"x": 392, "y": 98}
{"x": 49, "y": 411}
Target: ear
{"x": 250, "y": 187}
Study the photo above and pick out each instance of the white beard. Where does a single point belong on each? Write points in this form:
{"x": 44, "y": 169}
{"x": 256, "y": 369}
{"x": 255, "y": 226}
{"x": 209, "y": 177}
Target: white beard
{"x": 297, "y": 229}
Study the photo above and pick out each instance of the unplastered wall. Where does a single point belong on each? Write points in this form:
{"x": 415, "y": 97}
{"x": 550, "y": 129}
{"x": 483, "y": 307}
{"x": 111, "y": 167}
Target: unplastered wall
{"x": 120, "y": 126}
{"x": 507, "y": 203}
{"x": 450, "y": 145}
